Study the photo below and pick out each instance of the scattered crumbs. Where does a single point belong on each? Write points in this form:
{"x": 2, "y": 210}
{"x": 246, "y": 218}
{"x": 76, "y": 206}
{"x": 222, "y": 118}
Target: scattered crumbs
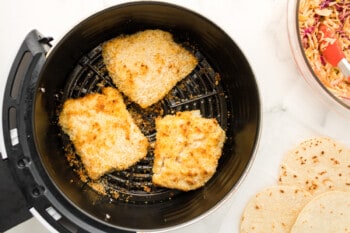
{"x": 147, "y": 189}
{"x": 217, "y": 79}
{"x": 98, "y": 187}
{"x": 114, "y": 194}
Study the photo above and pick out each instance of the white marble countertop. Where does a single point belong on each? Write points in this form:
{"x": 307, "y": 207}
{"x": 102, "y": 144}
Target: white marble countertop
{"x": 292, "y": 111}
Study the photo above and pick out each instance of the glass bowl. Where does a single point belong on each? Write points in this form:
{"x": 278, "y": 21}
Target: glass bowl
{"x": 327, "y": 93}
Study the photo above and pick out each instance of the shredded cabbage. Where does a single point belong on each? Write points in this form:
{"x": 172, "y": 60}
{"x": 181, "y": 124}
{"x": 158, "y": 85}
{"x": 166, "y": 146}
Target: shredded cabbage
{"x": 336, "y": 15}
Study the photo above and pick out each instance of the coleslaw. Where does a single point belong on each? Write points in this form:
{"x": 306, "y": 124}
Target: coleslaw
{"x": 336, "y": 15}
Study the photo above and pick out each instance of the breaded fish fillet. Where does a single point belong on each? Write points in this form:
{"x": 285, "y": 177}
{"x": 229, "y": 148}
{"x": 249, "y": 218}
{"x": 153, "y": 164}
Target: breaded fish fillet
{"x": 146, "y": 65}
{"x": 187, "y": 150}
{"x": 103, "y": 132}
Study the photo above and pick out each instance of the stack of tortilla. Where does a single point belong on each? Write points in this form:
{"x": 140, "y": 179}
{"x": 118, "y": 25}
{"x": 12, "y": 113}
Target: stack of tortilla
{"x": 312, "y": 194}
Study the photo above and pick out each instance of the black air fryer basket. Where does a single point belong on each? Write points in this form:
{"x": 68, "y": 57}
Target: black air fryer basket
{"x": 222, "y": 86}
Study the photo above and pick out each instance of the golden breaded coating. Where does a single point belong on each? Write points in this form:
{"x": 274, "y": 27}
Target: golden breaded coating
{"x": 146, "y": 65}
{"x": 103, "y": 132}
{"x": 187, "y": 150}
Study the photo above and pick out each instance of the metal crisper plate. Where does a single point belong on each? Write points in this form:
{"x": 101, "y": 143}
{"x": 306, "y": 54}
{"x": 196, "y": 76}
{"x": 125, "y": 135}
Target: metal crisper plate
{"x": 202, "y": 89}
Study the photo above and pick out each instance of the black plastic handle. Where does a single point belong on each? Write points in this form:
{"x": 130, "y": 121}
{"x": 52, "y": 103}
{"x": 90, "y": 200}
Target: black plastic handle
{"x": 27, "y": 64}
{"x": 26, "y": 68}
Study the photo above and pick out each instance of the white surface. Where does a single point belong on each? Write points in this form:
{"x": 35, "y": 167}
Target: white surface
{"x": 292, "y": 112}
{"x": 31, "y": 225}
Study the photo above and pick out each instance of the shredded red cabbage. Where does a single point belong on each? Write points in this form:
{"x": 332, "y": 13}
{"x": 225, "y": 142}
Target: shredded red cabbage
{"x": 323, "y": 60}
{"x": 325, "y": 3}
{"x": 308, "y": 30}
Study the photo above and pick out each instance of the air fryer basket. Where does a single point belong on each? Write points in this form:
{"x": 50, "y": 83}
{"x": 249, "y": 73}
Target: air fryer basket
{"x": 221, "y": 86}
{"x": 200, "y": 90}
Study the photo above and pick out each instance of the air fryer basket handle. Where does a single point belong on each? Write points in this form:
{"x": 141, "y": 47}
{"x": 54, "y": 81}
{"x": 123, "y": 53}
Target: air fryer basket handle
{"x": 28, "y": 62}
{"x": 14, "y": 207}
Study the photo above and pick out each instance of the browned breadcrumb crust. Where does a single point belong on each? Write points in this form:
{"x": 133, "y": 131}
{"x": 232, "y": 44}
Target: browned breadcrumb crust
{"x": 146, "y": 65}
{"x": 103, "y": 132}
{"x": 187, "y": 150}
